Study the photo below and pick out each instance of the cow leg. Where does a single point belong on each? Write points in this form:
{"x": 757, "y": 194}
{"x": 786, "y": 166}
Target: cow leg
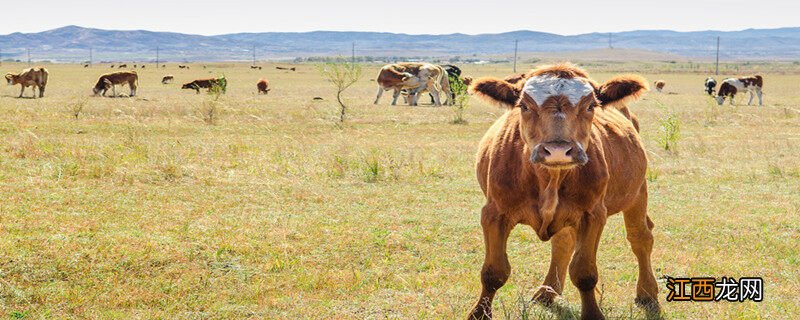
{"x": 378, "y": 96}
{"x": 751, "y": 98}
{"x": 731, "y": 102}
{"x": 583, "y": 268}
{"x": 41, "y": 91}
{"x": 21, "y": 91}
{"x": 435, "y": 94}
{"x": 496, "y": 268}
{"x": 562, "y": 246}
{"x": 114, "y": 90}
{"x": 758, "y": 92}
{"x": 639, "y": 228}
{"x": 394, "y": 97}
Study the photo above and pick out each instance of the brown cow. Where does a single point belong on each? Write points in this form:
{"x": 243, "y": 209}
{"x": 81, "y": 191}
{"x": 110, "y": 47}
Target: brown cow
{"x": 561, "y": 160}
{"x": 31, "y": 77}
{"x": 255, "y": 67}
{"x": 414, "y": 77}
{"x": 263, "y": 86}
{"x": 111, "y": 80}
{"x": 203, "y": 83}
{"x": 167, "y": 79}
{"x": 731, "y": 86}
{"x": 515, "y": 78}
{"x": 122, "y": 66}
{"x": 660, "y": 85}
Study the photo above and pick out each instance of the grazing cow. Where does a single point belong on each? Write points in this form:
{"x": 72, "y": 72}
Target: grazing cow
{"x": 263, "y": 86}
{"x": 711, "y": 86}
{"x": 412, "y": 76}
{"x": 283, "y": 68}
{"x": 445, "y": 86}
{"x": 134, "y": 66}
{"x": 31, "y": 77}
{"x": 255, "y": 67}
{"x": 183, "y": 67}
{"x": 167, "y": 79}
{"x": 86, "y": 65}
{"x": 163, "y": 65}
{"x": 143, "y": 66}
{"x": 208, "y": 83}
{"x": 112, "y": 66}
{"x": 123, "y": 66}
{"x": 731, "y": 86}
{"x": 111, "y": 80}
{"x": 515, "y": 78}
{"x": 659, "y": 85}
{"x": 453, "y": 74}
{"x": 563, "y": 158}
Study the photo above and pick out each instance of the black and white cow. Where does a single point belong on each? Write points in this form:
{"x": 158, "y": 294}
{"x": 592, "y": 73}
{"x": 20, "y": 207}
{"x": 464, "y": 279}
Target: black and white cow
{"x": 731, "y": 86}
{"x": 711, "y": 86}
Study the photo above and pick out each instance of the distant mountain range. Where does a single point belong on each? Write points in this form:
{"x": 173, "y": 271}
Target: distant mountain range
{"x": 72, "y": 44}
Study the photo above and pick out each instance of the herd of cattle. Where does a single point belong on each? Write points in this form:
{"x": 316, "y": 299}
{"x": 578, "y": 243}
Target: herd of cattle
{"x": 407, "y": 79}
{"x": 37, "y": 79}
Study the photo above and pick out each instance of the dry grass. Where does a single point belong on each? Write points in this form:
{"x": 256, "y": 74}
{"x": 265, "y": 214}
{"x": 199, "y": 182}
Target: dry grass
{"x": 136, "y": 208}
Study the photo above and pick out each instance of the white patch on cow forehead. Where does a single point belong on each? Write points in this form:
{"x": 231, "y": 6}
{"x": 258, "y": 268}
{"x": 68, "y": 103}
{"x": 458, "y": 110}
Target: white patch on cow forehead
{"x": 542, "y": 87}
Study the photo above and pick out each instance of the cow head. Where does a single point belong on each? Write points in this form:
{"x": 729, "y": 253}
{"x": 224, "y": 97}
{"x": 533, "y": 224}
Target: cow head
{"x": 720, "y": 100}
{"x": 556, "y": 106}
{"x": 10, "y": 78}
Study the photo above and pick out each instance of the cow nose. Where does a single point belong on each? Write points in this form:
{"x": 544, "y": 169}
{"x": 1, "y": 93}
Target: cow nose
{"x": 557, "y": 153}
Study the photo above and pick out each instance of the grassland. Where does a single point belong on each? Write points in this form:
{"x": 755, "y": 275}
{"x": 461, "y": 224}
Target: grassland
{"x": 146, "y": 208}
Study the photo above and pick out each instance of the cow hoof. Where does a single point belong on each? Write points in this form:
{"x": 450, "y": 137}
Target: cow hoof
{"x": 545, "y": 295}
{"x": 649, "y": 304}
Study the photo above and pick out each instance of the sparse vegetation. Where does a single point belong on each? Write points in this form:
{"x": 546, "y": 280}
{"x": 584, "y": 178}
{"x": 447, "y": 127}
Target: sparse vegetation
{"x": 341, "y": 75}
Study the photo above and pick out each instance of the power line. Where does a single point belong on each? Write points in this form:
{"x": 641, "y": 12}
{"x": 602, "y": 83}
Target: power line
{"x": 516, "y": 46}
{"x": 717, "y": 55}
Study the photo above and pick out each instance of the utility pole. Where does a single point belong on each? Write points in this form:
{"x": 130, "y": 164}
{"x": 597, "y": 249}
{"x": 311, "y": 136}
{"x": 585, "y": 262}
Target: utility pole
{"x": 717, "y": 55}
{"x": 516, "y": 47}
{"x": 157, "y": 62}
{"x": 29, "y": 57}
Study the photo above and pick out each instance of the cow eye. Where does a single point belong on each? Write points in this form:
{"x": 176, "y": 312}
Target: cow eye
{"x": 523, "y": 107}
{"x": 591, "y": 107}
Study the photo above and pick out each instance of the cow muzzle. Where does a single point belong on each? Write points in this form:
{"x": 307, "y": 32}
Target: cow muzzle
{"x": 559, "y": 154}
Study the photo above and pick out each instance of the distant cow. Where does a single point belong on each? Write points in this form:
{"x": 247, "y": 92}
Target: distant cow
{"x": 112, "y": 66}
{"x": 134, "y": 66}
{"x": 255, "y": 67}
{"x": 452, "y": 70}
{"x": 123, "y": 66}
{"x": 31, "y": 77}
{"x": 563, "y": 158}
{"x": 183, "y": 67}
{"x": 205, "y": 83}
{"x": 711, "y": 86}
{"x": 730, "y": 87}
{"x": 143, "y": 66}
{"x": 284, "y": 68}
{"x": 514, "y": 78}
{"x": 111, "y": 80}
{"x": 414, "y": 77}
{"x": 659, "y": 85}
{"x": 445, "y": 85}
{"x": 263, "y": 86}
{"x": 167, "y": 79}
{"x": 86, "y": 65}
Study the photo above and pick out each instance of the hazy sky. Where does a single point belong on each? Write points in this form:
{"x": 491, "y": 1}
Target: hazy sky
{"x": 404, "y": 16}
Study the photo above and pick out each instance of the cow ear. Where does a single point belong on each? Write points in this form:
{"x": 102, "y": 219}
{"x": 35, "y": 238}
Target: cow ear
{"x": 496, "y": 91}
{"x": 622, "y": 89}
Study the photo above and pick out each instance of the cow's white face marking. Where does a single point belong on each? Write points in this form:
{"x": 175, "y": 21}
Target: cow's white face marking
{"x": 542, "y": 87}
